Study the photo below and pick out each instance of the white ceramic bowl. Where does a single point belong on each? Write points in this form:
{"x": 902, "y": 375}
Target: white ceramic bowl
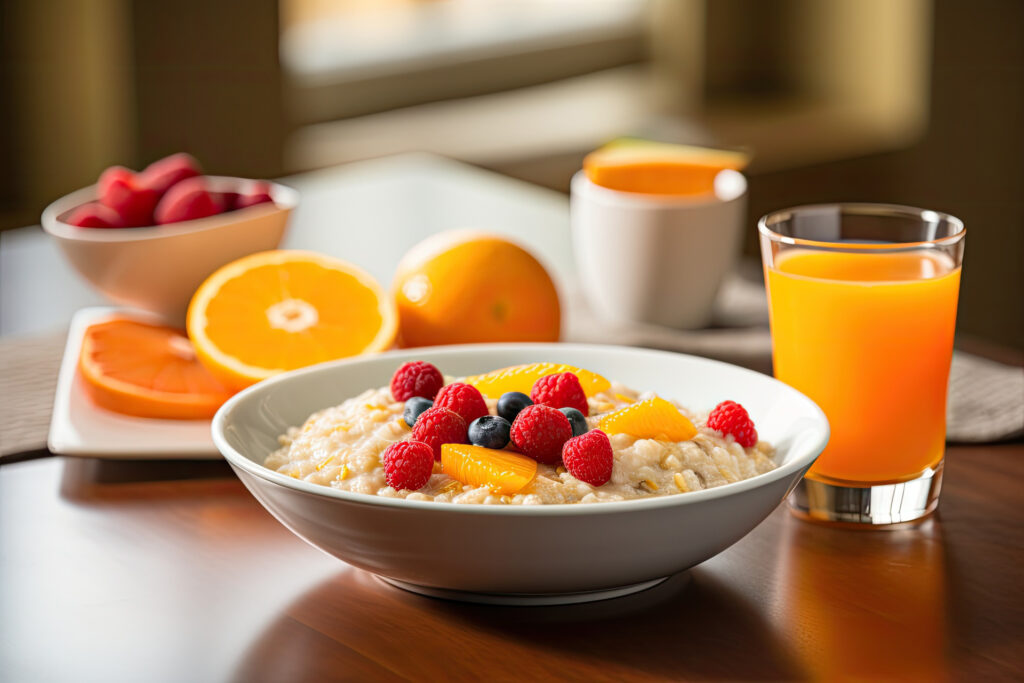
{"x": 522, "y": 554}
{"x": 158, "y": 268}
{"x": 656, "y": 259}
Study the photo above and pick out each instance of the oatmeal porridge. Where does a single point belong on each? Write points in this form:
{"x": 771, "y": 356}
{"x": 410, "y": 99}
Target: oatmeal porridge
{"x": 657, "y": 447}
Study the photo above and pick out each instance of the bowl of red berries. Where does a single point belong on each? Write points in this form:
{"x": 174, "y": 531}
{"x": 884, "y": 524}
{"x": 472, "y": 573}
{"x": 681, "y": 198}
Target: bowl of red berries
{"x": 148, "y": 239}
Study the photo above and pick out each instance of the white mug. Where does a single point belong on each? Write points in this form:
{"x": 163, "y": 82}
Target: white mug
{"x": 656, "y": 259}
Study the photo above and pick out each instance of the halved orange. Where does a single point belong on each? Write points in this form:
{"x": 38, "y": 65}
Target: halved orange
{"x": 653, "y": 418}
{"x": 521, "y": 378}
{"x": 145, "y": 370}
{"x": 280, "y": 310}
{"x": 659, "y": 168}
{"x": 505, "y": 472}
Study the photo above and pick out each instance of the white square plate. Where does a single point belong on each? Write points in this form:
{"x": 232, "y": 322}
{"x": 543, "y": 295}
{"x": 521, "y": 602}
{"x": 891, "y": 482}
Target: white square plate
{"x": 79, "y": 427}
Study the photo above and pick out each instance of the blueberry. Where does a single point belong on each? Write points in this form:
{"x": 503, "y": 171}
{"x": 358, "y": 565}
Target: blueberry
{"x": 576, "y": 419}
{"x": 511, "y": 403}
{"x": 414, "y": 407}
{"x": 490, "y": 431}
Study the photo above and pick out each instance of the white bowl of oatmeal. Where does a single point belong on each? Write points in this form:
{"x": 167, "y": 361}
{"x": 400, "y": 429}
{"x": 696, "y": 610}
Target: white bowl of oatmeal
{"x": 667, "y": 507}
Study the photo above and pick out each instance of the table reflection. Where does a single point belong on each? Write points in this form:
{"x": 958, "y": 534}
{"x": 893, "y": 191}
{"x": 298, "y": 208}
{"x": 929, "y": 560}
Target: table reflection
{"x": 864, "y": 605}
{"x": 93, "y": 480}
{"x": 667, "y": 632}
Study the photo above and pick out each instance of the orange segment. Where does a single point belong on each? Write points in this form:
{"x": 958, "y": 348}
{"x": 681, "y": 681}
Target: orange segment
{"x": 653, "y": 418}
{"x": 659, "y": 168}
{"x": 280, "y": 310}
{"x": 505, "y": 472}
{"x": 145, "y": 370}
{"x": 522, "y": 377}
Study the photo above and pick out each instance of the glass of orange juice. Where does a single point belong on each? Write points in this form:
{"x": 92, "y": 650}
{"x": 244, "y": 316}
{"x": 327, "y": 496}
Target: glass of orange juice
{"x": 863, "y": 303}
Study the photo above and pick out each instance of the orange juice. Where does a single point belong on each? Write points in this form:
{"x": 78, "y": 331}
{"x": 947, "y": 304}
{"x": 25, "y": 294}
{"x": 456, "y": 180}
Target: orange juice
{"x": 868, "y": 336}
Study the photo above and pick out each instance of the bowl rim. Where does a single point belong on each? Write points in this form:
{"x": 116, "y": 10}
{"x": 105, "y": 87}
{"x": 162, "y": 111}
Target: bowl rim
{"x": 285, "y": 199}
{"x": 239, "y": 461}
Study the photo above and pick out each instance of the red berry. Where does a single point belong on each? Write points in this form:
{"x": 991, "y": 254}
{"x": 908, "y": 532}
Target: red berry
{"x": 119, "y": 189}
{"x": 188, "y": 200}
{"x": 464, "y": 399}
{"x": 111, "y": 174}
{"x": 163, "y": 174}
{"x": 730, "y": 417}
{"x": 416, "y": 378}
{"x": 540, "y": 431}
{"x": 259, "y": 193}
{"x": 94, "y": 215}
{"x": 589, "y": 458}
{"x": 408, "y": 464}
{"x": 437, "y": 426}
{"x": 561, "y": 390}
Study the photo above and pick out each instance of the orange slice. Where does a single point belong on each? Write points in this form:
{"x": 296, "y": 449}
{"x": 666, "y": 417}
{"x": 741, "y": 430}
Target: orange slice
{"x": 280, "y": 310}
{"x": 145, "y": 370}
{"x": 659, "y": 168}
{"x": 522, "y": 377}
{"x": 505, "y": 472}
{"x": 652, "y": 418}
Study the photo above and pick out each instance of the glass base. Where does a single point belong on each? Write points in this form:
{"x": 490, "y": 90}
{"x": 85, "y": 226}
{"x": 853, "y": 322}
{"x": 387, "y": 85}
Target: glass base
{"x": 880, "y": 505}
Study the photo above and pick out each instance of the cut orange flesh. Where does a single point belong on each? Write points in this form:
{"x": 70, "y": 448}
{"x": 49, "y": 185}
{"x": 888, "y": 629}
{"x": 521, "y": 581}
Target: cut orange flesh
{"x": 659, "y": 168}
{"x": 145, "y": 370}
{"x": 653, "y": 418}
{"x": 521, "y": 378}
{"x": 280, "y": 310}
{"x": 504, "y": 472}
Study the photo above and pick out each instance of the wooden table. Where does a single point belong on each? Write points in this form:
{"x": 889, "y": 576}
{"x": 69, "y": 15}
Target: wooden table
{"x": 130, "y": 571}
{"x": 171, "y": 571}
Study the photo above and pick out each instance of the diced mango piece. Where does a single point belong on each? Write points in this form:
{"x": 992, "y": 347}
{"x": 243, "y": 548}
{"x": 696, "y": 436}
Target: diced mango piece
{"x": 504, "y": 472}
{"x": 522, "y": 377}
{"x": 653, "y": 418}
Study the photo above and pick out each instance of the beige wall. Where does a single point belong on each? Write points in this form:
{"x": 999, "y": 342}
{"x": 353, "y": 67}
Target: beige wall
{"x": 69, "y": 96}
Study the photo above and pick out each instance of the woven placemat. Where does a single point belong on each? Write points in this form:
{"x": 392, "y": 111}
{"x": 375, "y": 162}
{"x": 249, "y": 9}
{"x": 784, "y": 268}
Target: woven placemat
{"x": 986, "y": 399}
{"x": 28, "y": 379}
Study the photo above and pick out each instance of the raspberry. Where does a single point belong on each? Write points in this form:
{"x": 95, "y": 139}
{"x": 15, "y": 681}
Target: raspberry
{"x": 416, "y": 378}
{"x": 562, "y": 390}
{"x": 164, "y": 173}
{"x": 94, "y": 215}
{"x": 730, "y": 417}
{"x": 438, "y": 426}
{"x": 122, "y": 191}
{"x": 589, "y": 457}
{"x": 188, "y": 200}
{"x": 540, "y": 431}
{"x": 465, "y": 400}
{"x": 408, "y": 464}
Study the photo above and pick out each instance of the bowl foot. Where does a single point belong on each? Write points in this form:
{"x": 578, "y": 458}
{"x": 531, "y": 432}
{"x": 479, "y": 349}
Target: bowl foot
{"x": 524, "y": 599}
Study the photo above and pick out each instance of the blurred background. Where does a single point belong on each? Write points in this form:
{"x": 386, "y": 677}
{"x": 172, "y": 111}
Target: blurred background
{"x": 906, "y": 101}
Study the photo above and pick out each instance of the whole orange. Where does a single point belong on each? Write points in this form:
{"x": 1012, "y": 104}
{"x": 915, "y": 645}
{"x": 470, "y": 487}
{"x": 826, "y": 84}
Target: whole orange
{"x": 461, "y": 287}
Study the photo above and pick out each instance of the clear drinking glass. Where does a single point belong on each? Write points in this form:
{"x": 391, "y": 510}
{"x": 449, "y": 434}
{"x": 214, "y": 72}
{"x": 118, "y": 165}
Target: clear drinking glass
{"x": 863, "y": 302}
